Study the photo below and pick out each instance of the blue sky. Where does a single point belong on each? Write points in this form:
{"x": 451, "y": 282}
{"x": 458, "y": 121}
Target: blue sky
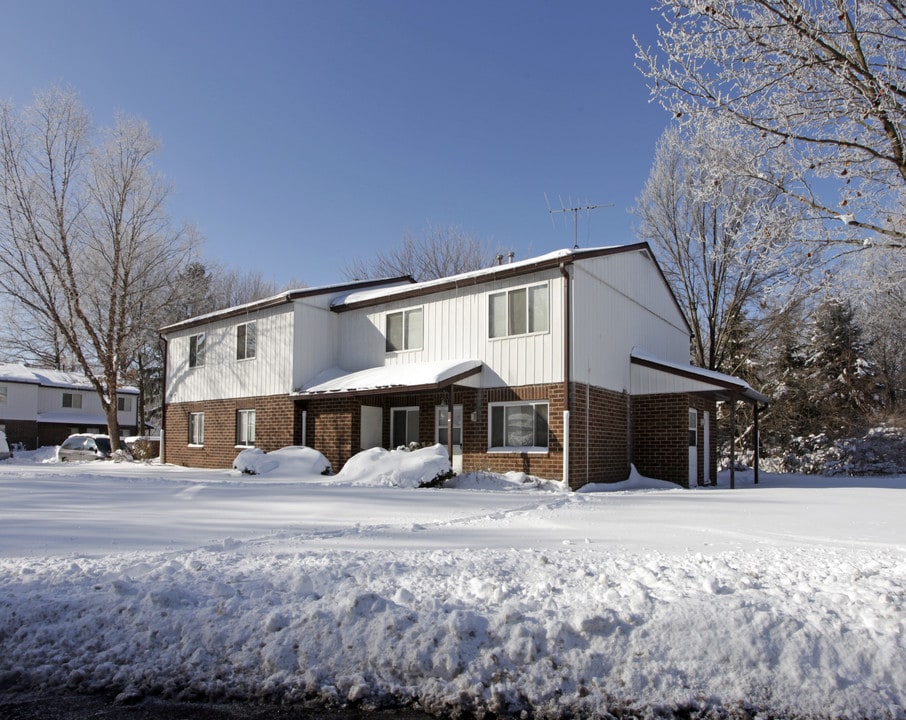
{"x": 297, "y": 135}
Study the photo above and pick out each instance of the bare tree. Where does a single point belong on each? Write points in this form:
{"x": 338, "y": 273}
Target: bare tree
{"x": 817, "y": 86}
{"x": 439, "y": 252}
{"x": 723, "y": 236}
{"x": 85, "y": 242}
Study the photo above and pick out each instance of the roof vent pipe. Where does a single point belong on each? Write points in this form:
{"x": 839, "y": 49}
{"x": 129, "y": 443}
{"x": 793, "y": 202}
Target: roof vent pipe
{"x": 499, "y": 258}
{"x": 510, "y": 256}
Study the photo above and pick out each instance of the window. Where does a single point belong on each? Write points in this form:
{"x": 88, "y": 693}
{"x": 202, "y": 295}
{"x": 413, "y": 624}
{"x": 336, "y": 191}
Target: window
{"x": 518, "y": 312}
{"x": 124, "y": 403}
{"x": 440, "y": 434}
{"x": 246, "y": 340}
{"x": 403, "y": 426}
{"x": 245, "y": 427}
{"x": 196, "y": 428}
{"x": 404, "y": 330}
{"x": 519, "y": 425}
{"x": 72, "y": 400}
{"x": 196, "y": 350}
{"x": 3, "y": 393}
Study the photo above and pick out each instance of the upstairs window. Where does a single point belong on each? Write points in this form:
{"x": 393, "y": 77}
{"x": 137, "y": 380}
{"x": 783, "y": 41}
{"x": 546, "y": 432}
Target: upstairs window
{"x": 3, "y": 393}
{"x": 196, "y": 350}
{"x": 72, "y": 400}
{"x": 519, "y": 312}
{"x": 405, "y": 330}
{"x": 124, "y": 403}
{"x": 246, "y": 340}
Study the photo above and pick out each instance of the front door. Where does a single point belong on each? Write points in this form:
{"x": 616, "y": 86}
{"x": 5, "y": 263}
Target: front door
{"x": 440, "y": 432}
{"x": 372, "y": 423}
{"x": 693, "y": 447}
{"x": 706, "y": 442}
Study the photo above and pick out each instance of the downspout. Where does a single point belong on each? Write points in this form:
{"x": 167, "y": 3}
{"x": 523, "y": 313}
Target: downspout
{"x": 163, "y": 401}
{"x": 567, "y": 344}
{"x": 757, "y": 440}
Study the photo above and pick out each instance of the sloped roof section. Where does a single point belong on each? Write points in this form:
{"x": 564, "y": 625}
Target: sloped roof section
{"x": 390, "y": 378}
{"x": 15, "y": 373}
{"x": 695, "y": 379}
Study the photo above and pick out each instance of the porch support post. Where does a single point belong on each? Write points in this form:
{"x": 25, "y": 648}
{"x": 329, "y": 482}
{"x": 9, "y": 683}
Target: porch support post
{"x": 733, "y": 443}
{"x": 757, "y": 441}
{"x": 450, "y": 426}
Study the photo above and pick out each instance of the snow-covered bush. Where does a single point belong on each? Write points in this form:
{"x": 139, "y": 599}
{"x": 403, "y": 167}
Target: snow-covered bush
{"x": 294, "y": 460}
{"x": 881, "y": 451}
{"x": 423, "y": 467}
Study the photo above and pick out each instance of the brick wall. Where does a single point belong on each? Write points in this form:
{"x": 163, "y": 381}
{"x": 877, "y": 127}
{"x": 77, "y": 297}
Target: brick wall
{"x": 599, "y": 435}
{"x": 25, "y": 432}
{"x": 660, "y": 436}
{"x": 275, "y": 420}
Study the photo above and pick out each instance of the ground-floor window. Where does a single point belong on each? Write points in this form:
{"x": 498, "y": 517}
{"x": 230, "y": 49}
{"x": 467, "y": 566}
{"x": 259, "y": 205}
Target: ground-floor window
{"x": 403, "y": 426}
{"x": 196, "y": 428}
{"x": 440, "y": 424}
{"x": 519, "y": 425}
{"x": 245, "y": 427}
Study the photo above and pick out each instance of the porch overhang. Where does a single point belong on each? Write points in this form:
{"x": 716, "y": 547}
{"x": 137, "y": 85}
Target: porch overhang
{"x": 652, "y": 375}
{"x": 388, "y": 379}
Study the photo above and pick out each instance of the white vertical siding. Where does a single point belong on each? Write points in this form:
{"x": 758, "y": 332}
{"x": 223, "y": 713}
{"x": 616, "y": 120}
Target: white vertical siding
{"x": 456, "y": 328}
{"x": 222, "y": 375}
{"x": 21, "y": 402}
{"x": 621, "y": 301}
{"x": 315, "y": 344}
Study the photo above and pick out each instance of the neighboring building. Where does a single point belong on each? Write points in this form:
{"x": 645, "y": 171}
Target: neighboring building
{"x": 43, "y": 407}
{"x": 574, "y": 364}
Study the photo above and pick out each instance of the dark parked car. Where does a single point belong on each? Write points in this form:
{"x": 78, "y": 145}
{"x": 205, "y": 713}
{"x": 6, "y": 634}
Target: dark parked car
{"x": 84, "y": 447}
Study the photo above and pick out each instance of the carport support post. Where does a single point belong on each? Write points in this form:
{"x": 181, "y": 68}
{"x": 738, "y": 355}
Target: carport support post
{"x": 733, "y": 443}
{"x": 757, "y": 441}
{"x": 450, "y": 428}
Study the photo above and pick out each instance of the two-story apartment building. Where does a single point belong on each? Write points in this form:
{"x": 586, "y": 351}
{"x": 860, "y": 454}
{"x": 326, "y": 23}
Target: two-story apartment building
{"x": 43, "y": 407}
{"x": 571, "y": 365}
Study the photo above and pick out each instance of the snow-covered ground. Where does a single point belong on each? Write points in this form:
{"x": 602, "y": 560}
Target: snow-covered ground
{"x": 785, "y": 599}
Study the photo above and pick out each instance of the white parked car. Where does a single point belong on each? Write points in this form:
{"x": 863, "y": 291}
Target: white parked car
{"x": 84, "y": 446}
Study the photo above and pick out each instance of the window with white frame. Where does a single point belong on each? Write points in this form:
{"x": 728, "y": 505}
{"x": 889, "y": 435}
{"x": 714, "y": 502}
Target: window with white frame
{"x": 246, "y": 340}
{"x": 245, "y": 427}
{"x": 403, "y": 426}
{"x": 519, "y": 311}
{"x": 72, "y": 400}
{"x": 196, "y": 350}
{"x": 3, "y": 393}
{"x": 124, "y": 403}
{"x": 196, "y": 428}
{"x": 405, "y": 330}
{"x": 522, "y": 425}
{"x": 440, "y": 432}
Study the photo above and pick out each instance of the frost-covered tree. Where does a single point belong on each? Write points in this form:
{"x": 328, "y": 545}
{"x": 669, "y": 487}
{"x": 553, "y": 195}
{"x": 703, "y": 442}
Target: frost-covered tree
{"x": 843, "y": 384}
{"x": 86, "y": 245}
{"x": 816, "y": 86}
{"x": 723, "y": 236}
{"x": 438, "y": 252}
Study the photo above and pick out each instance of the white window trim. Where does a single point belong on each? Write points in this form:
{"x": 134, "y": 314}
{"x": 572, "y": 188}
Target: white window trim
{"x": 72, "y": 403}
{"x": 246, "y": 411}
{"x": 203, "y": 355}
{"x": 246, "y": 357}
{"x": 508, "y": 335}
{"x": 196, "y": 444}
{"x": 405, "y": 313}
{"x": 4, "y": 393}
{"x": 521, "y": 449}
{"x": 441, "y": 411}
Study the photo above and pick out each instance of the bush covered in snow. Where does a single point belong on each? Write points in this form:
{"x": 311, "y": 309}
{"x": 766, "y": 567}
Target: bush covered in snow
{"x": 300, "y": 461}
{"x": 881, "y": 451}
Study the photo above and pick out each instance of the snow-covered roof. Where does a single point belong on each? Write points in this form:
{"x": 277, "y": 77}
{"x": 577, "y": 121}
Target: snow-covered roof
{"x": 711, "y": 377}
{"x": 73, "y": 418}
{"x": 359, "y": 298}
{"x": 13, "y": 372}
{"x": 381, "y": 379}
{"x": 285, "y": 297}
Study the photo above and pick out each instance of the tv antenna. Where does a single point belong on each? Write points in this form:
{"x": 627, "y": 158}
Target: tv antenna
{"x": 575, "y": 211}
